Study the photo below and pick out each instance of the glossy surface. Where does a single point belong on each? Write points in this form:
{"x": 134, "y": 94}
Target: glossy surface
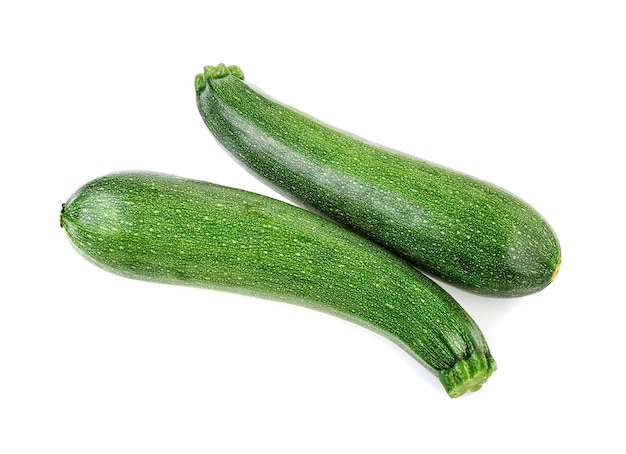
{"x": 171, "y": 230}
{"x": 460, "y": 229}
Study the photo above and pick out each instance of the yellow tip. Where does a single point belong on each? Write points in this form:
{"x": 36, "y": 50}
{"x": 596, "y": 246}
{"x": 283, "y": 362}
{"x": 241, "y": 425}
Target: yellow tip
{"x": 556, "y": 271}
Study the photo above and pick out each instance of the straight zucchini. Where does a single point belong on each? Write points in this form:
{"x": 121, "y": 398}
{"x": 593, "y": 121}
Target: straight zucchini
{"x": 457, "y": 228}
{"x": 166, "y": 229}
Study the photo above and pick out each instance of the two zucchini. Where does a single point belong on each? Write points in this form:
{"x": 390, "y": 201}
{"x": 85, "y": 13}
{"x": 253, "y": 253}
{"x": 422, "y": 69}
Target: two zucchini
{"x": 462, "y": 230}
{"x": 467, "y": 232}
{"x": 166, "y": 229}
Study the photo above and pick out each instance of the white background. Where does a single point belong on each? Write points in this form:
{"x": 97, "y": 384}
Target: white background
{"x": 528, "y": 95}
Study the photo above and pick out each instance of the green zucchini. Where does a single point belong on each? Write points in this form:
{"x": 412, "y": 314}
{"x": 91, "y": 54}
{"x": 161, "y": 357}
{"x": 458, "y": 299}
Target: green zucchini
{"x": 457, "y": 228}
{"x": 166, "y": 229}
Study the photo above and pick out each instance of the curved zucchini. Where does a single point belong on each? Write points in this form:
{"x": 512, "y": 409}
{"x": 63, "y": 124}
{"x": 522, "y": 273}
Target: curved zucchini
{"x": 457, "y": 228}
{"x": 161, "y": 228}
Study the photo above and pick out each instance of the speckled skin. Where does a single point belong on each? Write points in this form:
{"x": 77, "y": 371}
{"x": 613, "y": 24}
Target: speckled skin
{"x": 457, "y": 228}
{"x": 171, "y": 230}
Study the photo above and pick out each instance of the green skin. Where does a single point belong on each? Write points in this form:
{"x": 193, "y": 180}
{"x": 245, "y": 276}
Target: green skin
{"x": 457, "y": 228}
{"x": 166, "y": 229}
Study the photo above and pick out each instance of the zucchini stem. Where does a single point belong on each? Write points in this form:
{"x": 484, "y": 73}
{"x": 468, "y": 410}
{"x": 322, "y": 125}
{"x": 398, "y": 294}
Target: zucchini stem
{"x": 468, "y": 374}
{"x": 216, "y": 72}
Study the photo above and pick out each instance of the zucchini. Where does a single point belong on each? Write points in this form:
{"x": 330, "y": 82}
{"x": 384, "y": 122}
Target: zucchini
{"x": 171, "y": 230}
{"x": 457, "y": 228}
